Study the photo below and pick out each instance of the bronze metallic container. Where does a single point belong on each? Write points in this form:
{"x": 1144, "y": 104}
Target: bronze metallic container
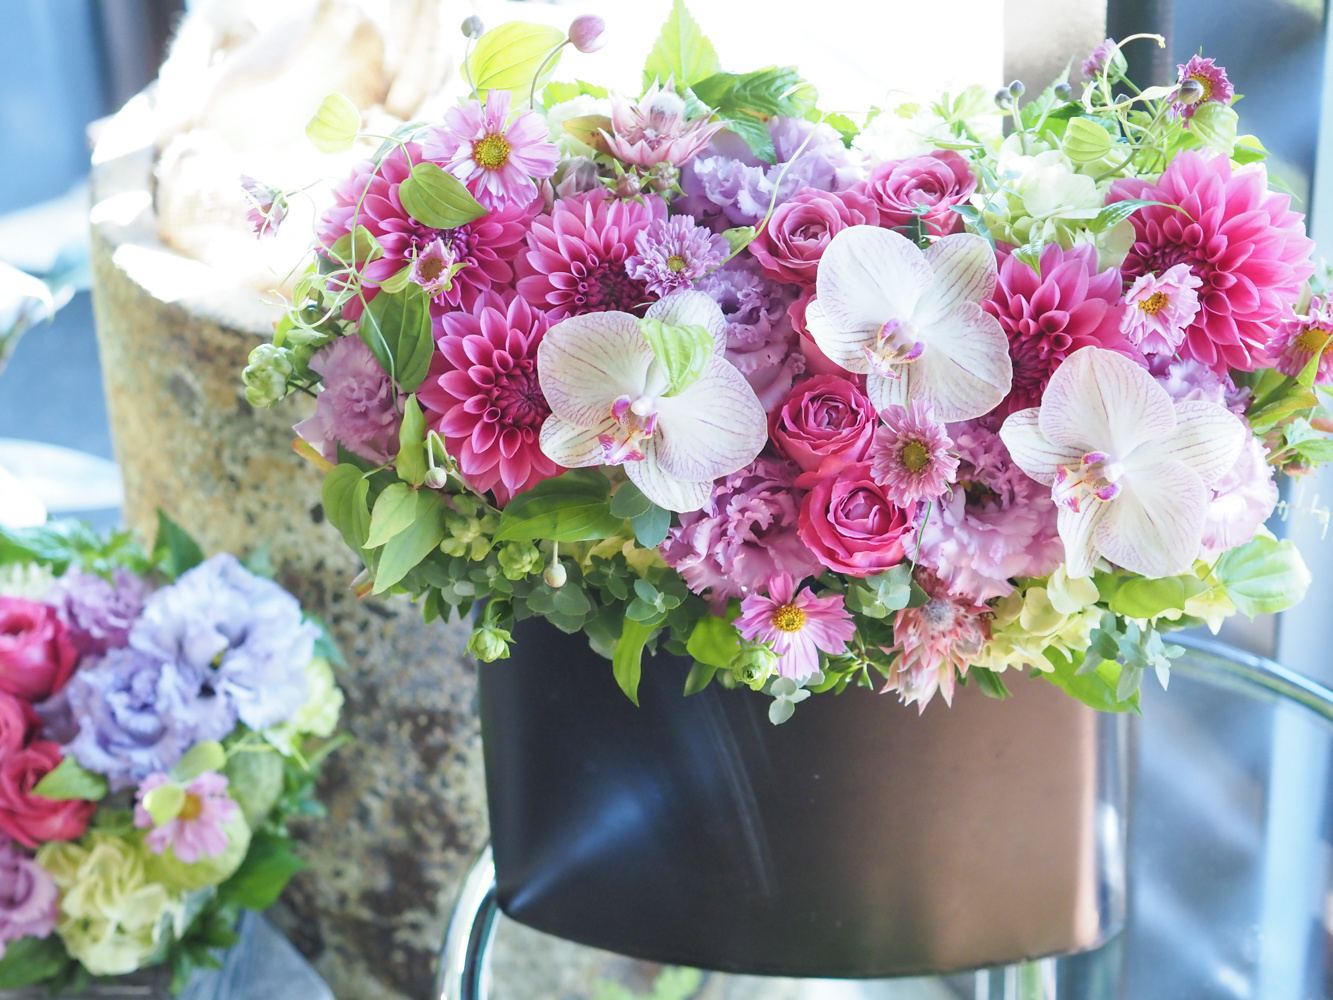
{"x": 857, "y": 840}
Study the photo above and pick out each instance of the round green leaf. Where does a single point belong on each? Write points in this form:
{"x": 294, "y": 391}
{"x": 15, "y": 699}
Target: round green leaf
{"x": 334, "y": 127}
{"x": 436, "y": 198}
{"x": 507, "y": 57}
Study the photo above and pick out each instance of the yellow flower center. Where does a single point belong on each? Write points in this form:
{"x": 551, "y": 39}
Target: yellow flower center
{"x": 1311, "y": 339}
{"x": 491, "y": 152}
{"x": 1207, "y": 86}
{"x": 1154, "y": 303}
{"x": 676, "y": 262}
{"x": 193, "y": 806}
{"x": 431, "y": 268}
{"x": 789, "y": 618}
{"x": 915, "y": 456}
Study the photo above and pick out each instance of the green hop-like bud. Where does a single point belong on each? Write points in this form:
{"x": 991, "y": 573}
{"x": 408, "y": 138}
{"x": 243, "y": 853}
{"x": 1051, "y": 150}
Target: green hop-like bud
{"x": 266, "y": 375}
{"x": 1086, "y": 141}
{"x": 489, "y": 643}
{"x": 555, "y": 575}
{"x": 754, "y": 666}
{"x": 663, "y": 175}
{"x": 519, "y": 559}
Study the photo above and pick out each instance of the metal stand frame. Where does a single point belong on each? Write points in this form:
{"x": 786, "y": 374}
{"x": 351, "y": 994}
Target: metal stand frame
{"x": 465, "y": 960}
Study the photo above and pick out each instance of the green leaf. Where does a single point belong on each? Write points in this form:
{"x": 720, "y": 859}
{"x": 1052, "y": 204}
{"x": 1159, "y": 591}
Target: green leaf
{"x": 629, "y": 501}
{"x": 1141, "y": 598}
{"x": 508, "y": 56}
{"x": 1263, "y": 575}
{"x": 739, "y": 238}
{"x": 1096, "y": 689}
{"x": 700, "y": 676}
{"x": 1112, "y": 215}
{"x": 396, "y": 327}
{"x": 407, "y": 548}
{"x": 575, "y": 507}
{"x": 205, "y": 756}
{"x": 1311, "y": 369}
{"x": 990, "y": 683}
{"x": 769, "y": 92}
{"x": 356, "y": 248}
{"x": 333, "y": 128}
{"x": 344, "y": 494}
{"x": 174, "y": 551}
{"x": 436, "y": 198}
{"x": 399, "y": 280}
{"x": 68, "y": 780}
{"x": 31, "y": 960}
{"x": 411, "y": 458}
{"x": 681, "y": 53}
{"x": 395, "y": 510}
{"x": 627, "y": 660}
{"x": 1279, "y": 401}
{"x": 755, "y": 134}
{"x": 683, "y": 352}
{"x": 650, "y": 528}
{"x": 1248, "y": 149}
{"x": 1215, "y": 125}
{"x": 714, "y": 641}
{"x": 268, "y": 867}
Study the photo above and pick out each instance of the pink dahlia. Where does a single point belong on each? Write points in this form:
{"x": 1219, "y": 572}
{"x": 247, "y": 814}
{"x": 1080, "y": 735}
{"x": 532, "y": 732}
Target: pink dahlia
{"x": 910, "y": 455}
{"x": 671, "y": 254}
{"x": 797, "y": 625}
{"x": 933, "y": 642}
{"x": 744, "y": 535}
{"x": 197, "y": 830}
{"x": 357, "y": 406}
{"x": 996, "y": 525}
{"x": 1299, "y": 337}
{"x": 654, "y": 129}
{"x": 1212, "y": 80}
{"x": 483, "y": 249}
{"x": 1049, "y": 316}
{"x": 495, "y": 157}
{"x": 576, "y": 255}
{"x": 483, "y": 384}
{"x": 1159, "y": 308}
{"x": 922, "y": 186}
{"x": 1243, "y": 241}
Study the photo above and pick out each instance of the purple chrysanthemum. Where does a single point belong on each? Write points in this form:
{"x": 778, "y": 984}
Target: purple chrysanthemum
{"x": 672, "y": 253}
{"x": 909, "y": 455}
{"x": 98, "y": 613}
{"x": 1208, "y": 75}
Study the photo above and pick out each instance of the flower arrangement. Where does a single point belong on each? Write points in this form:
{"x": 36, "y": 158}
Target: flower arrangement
{"x": 162, "y": 718}
{"x": 968, "y": 385}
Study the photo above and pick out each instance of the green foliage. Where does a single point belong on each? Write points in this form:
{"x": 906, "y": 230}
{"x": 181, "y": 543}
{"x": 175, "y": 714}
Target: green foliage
{"x": 1137, "y": 597}
{"x": 508, "y": 56}
{"x": 68, "y": 780}
{"x": 58, "y": 545}
{"x": 1096, "y": 689}
{"x": 31, "y": 960}
{"x": 557, "y": 92}
{"x": 174, "y": 551}
{"x": 396, "y": 327}
{"x": 356, "y": 249}
{"x": 683, "y": 352}
{"x": 649, "y": 521}
{"x": 884, "y": 593}
{"x": 627, "y": 663}
{"x": 407, "y": 548}
{"x": 333, "y": 128}
{"x": 1274, "y": 397}
{"x": 673, "y": 983}
{"x": 681, "y": 53}
{"x": 410, "y": 462}
{"x": 1264, "y": 575}
{"x": 436, "y": 198}
{"x": 574, "y": 507}
{"x": 265, "y": 872}
{"x": 749, "y": 100}
{"x": 989, "y": 683}
{"x": 1114, "y": 214}
{"x": 344, "y": 493}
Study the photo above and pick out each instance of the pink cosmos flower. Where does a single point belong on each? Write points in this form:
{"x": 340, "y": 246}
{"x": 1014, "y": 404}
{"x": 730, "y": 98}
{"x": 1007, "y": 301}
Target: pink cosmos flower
{"x": 356, "y": 407}
{"x": 1243, "y": 241}
{"x": 672, "y": 253}
{"x": 483, "y": 385}
{"x": 266, "y": 207}
{"x": 1050, "y": 315}
{"x": 654, "y": 129}
{"x": 434, "y": 268}
{"x": 29, "y": 897}
{"x": 1160, "y": 308}
{"x": 197, "y": 830}
{"x": 576, "y": 255}
{"x": 495, "y": 157}
{"x": 797, "y": 625}
{"x": 801, "y": 228}
{"x": 483, "y": 248}
{"x": 926, "y": 186}
{"x": 1299, "y": 336}
{"x": 910, "y": 455}
{"x": 933, "y": 642}
{"x": 1211, "y": 77}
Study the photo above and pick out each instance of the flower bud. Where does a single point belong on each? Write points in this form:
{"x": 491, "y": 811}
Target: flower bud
{"x": 266, "y": 375}
{"x": 436, "y": 479}
{"x": 1016, "y": 89}
{"x": 519, "y": 559}
{"x": 628, "y": 186}
{"x": 1063, "y": 92}
{"x": 754, "y": 666}
{"x": 663, "y": 175}
{"x": 489, "y": 643}
{"x": 1190, "y": 92}
{"x": 473, "y": 27}
{"x": 1003, "y": 98}
{"x": 587, "y": 33}
{"x": 555, "y": 575}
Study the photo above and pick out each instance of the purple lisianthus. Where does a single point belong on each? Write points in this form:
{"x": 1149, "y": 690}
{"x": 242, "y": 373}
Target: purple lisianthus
{"x": 744, "y": 535}
{"x": 1243, "y": 500}
{"x": 244, "y": 635}
{"x": 728, "y": 186}
{"x": 1186, "y": 379}
{"x": 137, "y": 714}
{"x": 98, "y": 613}
{"x": 356, "y": 407}
{"x": 671, "y": 254}
{"x": 29, "y": 897}
{"x": 761, "y": 342}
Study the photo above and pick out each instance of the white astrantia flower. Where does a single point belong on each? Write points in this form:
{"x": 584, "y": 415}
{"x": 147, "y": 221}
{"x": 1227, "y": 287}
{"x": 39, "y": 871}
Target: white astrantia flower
{"x": 911, "y": 320}
{"x": 1128, "y": 467}
{"x": 653, "y": 395}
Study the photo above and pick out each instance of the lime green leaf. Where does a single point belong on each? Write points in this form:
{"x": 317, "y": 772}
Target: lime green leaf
{"x": 776, "y": 90}
{"x": 68, "y": 780}
{"x": 395, "y": 510}
{"x": 681, "y": 53}
{"x": 399, "y": 280}
{"x": 205, "y": 756}
{"x": 700, "y": 676}
{"x": 265, "y": 872}
{"x": 334, "y": 127}
{"x": 345, "y": 505}
{"x": 507, "y": 57}
{"x": 1095, "y": 689}
{"x": 755, "y": 134}
{"x": 629, "y": 501}
{"x": 739, "y": 238}
{"x": 714, "y": 641}
{"x": 356, "y": 248}
{"x": 438, "y": 199}
{"x": 1215, "y": 125}
{"x": 31, "y": 960}
{"x": 164, "y": 803}
{"x": 1311, "y": 369}
{"x": 627, "y": 660}
{"x": 1085, "y": 141}
{"x": 1248, "y": 149}
{"x": 683, "y": 352}
{"x": 1263, "y": 575}
{"x": 575, "y": 507}
{"x": 405, "y": 550}
{"x": 1141, "y": 598}
{"x": 174, "y": 551}
{"x": 1112, "y": 215}
{"x": 396, "y": 328}
{"x": 411, "y": 458}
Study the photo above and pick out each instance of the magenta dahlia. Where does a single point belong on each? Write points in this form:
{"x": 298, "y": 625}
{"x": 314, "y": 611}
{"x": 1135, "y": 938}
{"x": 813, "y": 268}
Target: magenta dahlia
{"x": 1244, "y": 242}
{"x": 576, "y": 255}
{"x": 1050, "y": 315}
{"x": 483, "y": 249}
{"x": 485, "y": 397}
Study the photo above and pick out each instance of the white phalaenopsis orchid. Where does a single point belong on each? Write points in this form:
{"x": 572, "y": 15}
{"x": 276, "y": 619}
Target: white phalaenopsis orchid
{"x": 910, "y": 320}
{"x": 1128, "y": 467}
{"x": 654, "y": 395}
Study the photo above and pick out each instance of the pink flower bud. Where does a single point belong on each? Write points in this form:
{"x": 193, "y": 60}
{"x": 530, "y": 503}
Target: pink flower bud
{"x": 587, "y": 33}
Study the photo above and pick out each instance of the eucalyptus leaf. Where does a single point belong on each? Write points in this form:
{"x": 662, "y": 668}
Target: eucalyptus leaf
{"x": 629, "y": 501}
{"x": 436, "y": 198}
{"x": 651, "y": 527}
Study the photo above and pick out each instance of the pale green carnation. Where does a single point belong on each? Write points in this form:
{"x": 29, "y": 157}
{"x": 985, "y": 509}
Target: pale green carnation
{"x": 26, "y": 580}
{"x": 318, "y": 716}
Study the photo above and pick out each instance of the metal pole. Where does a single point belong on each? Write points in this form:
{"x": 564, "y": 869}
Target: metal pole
{"x": 465, "y": 967}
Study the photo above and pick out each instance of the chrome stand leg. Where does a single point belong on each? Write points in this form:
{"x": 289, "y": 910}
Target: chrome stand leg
{"x": 465, "y": 960}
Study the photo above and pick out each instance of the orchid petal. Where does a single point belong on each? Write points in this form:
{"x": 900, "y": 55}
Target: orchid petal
{"x": 711, "y": 429}
{"x": 966, "y": 364}
{"x": 1099, "y": 400}
{"x": 572, "y": 446}
{"x": 1208, "y": 438}
{"x": 664, "y": 490}
{"x": 885, "y": 392}
{"x": 1077, "y": 530}
{"x": 964, "y": 266}
{"x": 1155, "y": 525}
{"x": 690, "y": 308}
{"x": 585, "y": 363}
{"x": 1030, "y": 449}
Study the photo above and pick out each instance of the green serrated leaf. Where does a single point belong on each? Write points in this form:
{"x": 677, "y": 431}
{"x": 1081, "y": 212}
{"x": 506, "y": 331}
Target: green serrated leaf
{"x": 681, "y": 53}
{"x": 395, "y": 510}
{"x": 436, "y": 198}
{"x": 397, "y": 329}
{"x": 174, "y": 550}
{"x": 344, "y": 496}
{"x": 508, "y": 56}
{"x": 574, "y": 507}
{"x": 411, "y": 459}
{"x": 405, "y": 550}
{"x": 68, "y": 780}
{"x": 755, "y": 134}
{"x": 627, "y": 660}
{"x": 333, "y": 128}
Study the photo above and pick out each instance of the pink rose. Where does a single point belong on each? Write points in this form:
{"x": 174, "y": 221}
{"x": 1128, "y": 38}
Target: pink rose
{"x": 823, "y": 417}
{"x": 36, "y": 654}
{"x": 790, "y": 246}
{"x": 30, "y": 819}
{"x": 899, "y": 188}
{"x": 28, "y": 897}
{"x": 849, "y": 524}
{"x": 816, "y": 361}
{"x": 19, "y": 724}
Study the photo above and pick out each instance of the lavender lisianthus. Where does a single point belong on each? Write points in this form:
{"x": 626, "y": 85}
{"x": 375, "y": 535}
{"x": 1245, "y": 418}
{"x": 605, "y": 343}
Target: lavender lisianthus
{"x": 1243, "y": 500}
{"x": 357, "y": 406}
{"x": 244, "y": 635}
{"x": 98, "y": 613}
{"x": 29, "y": 898}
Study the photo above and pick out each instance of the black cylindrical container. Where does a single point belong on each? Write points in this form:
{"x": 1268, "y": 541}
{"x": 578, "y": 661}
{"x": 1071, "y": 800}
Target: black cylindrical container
{"x": 857, "y": 840}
